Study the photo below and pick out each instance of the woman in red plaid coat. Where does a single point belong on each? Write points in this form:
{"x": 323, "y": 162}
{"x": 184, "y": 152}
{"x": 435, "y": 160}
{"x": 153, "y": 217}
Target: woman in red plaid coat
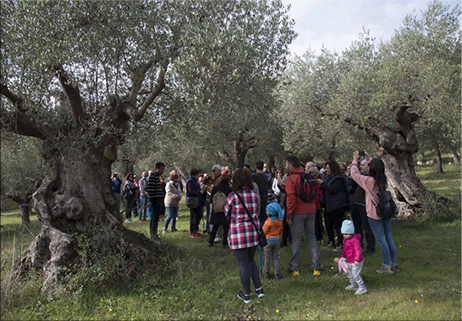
{"x": 242, "y": 237}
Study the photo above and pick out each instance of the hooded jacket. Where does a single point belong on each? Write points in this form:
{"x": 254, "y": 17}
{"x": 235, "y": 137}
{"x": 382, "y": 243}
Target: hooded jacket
{"x": 352, "y": 249}
{"x": 295, "y": 205}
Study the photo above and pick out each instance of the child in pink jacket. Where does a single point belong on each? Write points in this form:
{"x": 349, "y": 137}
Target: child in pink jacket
{"x": 353, "y": 255}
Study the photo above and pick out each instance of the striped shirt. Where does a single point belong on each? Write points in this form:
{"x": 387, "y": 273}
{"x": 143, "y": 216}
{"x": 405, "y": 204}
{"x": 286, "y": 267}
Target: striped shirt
{"x": 154, "y": 188}
{"x": 242, "y": 233}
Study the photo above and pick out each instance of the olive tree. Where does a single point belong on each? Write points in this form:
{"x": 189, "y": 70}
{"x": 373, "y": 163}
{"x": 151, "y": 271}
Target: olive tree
{"x": 78, "y": 75}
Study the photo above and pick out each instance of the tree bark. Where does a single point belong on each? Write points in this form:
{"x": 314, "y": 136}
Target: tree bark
{"x": 25, "y": 214}
{"x": 439, "y": 160}
{"x": 455, "y": 156}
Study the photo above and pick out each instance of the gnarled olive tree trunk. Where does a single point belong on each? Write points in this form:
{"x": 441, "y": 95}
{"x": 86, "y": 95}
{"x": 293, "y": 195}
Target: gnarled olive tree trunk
{"x": 78, "y": 199}
{"x": 396, "y": 147}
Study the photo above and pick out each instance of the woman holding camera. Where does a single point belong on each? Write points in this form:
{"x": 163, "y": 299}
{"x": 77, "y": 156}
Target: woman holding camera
{"x": 380, "y": 227}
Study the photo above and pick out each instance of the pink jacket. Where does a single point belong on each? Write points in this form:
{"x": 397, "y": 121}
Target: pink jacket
{"x": 352, "y": 249}
{"x": 369, "y": 186}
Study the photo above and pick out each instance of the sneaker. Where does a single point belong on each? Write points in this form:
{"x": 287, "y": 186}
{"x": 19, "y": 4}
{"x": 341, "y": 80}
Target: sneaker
{"x": 217, "y": 240}
{"x": 128, "y": 220}
{"x": 164, "y": 231}
{"x": 316, "y": 272}
{"x": 295, "y": 273}
{"x": 244, "y": 297}
{"x": 278, "y": 275}
{"x": 209, "y": 244}
{"x": 386, "y": 269}
{"x": 140, "y": 221}
{"x": 368, "y": 252}
{"x": 260, "y": 292}
{"x": 192, "y": 235}
{"x": 338, "y": 249}
{"x": 394, "y": 267}
{"x": 330, "y": 244}
{"x": 361, "y": 291}
{"x": 352, "y": 287}
{"x": 199, "y": 235}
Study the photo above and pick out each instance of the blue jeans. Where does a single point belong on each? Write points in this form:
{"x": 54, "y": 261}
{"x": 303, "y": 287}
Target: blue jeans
{"x": 172, "y": 213}
{"x": 382, "y": 233}
{"x": 143, "y": 203}
{"x": 207, "y": 217}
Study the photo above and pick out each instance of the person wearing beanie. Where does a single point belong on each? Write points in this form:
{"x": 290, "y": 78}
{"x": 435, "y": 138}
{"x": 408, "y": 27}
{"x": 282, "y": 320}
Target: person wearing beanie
{"x": 353, "y": 255}
{"x": 273, "y": 228}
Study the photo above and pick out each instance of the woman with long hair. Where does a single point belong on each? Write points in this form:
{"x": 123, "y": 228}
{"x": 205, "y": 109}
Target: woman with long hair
{"x": 242, "y": 236}
{"x": 337, "y": 202}
{"x": 377, "y": 180}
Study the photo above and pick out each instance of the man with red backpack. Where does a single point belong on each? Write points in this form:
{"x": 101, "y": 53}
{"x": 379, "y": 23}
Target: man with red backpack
{"x": 301, "y": 212}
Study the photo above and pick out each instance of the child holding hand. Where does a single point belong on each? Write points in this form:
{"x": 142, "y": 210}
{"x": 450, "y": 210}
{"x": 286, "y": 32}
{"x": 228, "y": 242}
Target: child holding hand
{"x": 273, "y": 228}
{"x": 353, "y": 255}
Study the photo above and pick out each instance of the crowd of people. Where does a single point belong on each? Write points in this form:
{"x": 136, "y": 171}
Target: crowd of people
{"x": 341, "y": 205}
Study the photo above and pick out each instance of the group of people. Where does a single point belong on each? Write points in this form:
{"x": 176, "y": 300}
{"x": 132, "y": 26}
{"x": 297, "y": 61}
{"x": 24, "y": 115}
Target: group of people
{"x": 245, "y": 203}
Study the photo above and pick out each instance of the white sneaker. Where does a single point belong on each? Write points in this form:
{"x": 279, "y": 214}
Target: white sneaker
{"x": 352, "y": 287}
{"x": 164, "y": 231}
{"x": 361, "y": 291}
{"x": 128, "y": 220}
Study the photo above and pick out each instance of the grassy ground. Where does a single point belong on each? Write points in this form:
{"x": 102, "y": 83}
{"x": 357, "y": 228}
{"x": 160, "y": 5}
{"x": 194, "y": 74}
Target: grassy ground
{"x": 200, "y": 283}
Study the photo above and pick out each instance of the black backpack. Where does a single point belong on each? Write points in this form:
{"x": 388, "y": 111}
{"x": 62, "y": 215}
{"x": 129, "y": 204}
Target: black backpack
{"x": 308, "y": 187}
{"x": 386, "y": 207}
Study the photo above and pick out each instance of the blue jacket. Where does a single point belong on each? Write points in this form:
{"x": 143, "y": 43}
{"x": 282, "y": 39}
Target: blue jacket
{"x": 115, "y": 184}
{"x": 336, "y": 197}
{"x": 196, "y": 187}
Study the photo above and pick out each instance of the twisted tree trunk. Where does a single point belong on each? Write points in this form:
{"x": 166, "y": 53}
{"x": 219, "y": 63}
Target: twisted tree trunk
{"x": 396, "y": 147}
{"x": 78, "y": 200}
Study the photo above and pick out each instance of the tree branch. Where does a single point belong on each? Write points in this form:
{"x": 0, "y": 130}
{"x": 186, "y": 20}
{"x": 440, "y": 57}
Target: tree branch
{"x": 73, "y": 93}
{"x": 22, "y": 122}
{"x": 138, "y": 115}
{"x": 137, "y": 81}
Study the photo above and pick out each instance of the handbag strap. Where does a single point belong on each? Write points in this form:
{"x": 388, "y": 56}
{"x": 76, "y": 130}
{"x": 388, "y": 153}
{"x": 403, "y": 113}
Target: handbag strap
{"x": 247, "y": 211}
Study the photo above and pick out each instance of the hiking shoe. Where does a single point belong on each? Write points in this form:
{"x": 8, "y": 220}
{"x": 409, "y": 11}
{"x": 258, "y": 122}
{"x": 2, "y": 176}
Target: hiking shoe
{"x": 330, "y": 244}
{"x": 338, "y": 249}
{"x": 295, "y": 273}
{"x": 260, "y": 292}
{"x": 243, "y": 296}
{"x": 394, "y": 267}
{"x": 361, "y": 291}
{"x": 352, "y": 287}
{"x": 278, "y": 275}
{"x": 316, "y": 272}
{"x": 386, "y": 269}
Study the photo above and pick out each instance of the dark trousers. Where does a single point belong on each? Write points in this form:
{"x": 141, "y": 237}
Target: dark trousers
{"x": 336, "y": 217}
{"x": 195, "y": 216}
{"x": 262, "y": 217}
{"x": 329, "y": 223}
{"x": 156, "y": 205}
{"x": 361, "y": 223}
{"x": 248, "y": 268}
{"x": 214, "y": 231}
{"x": 318, "y": 225}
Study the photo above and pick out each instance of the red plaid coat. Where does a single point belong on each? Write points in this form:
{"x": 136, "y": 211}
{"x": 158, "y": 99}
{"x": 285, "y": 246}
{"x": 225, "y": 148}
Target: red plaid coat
{"x": 242, "y": 233}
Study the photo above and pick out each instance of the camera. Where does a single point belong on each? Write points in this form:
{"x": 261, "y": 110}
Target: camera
{"x": 361, "y": 153}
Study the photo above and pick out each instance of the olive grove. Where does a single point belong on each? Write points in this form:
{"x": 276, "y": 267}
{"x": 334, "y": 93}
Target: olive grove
{"x": 391, "y": 93}
{"x": 78, "y": 75}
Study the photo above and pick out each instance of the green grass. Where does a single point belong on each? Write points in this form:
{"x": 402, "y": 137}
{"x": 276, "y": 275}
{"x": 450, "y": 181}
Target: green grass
{"x": 447, "y": 184}
{"x": 200, "y": 283}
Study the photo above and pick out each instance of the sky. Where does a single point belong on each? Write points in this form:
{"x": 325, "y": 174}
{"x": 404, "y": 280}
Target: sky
{"x": 334, "y": 24}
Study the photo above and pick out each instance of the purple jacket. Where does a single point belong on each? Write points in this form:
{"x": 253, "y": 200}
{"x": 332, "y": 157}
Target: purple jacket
{"x": 352, "y": 249}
